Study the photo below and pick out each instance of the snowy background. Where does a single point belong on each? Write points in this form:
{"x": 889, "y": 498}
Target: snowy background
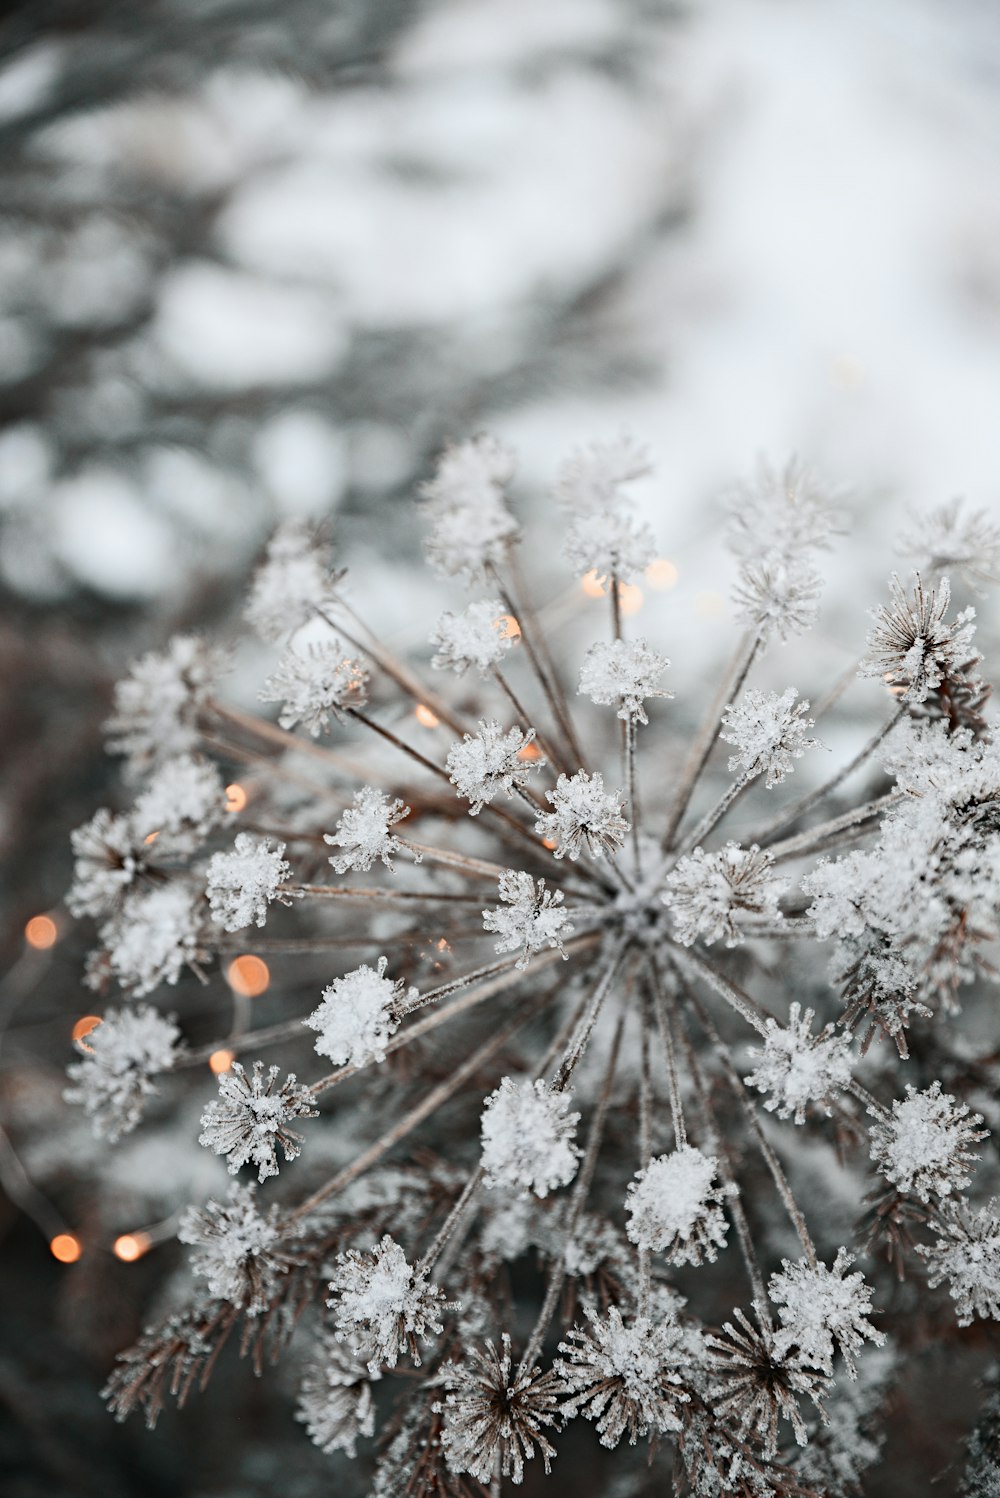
{"x": 260, "y": 261}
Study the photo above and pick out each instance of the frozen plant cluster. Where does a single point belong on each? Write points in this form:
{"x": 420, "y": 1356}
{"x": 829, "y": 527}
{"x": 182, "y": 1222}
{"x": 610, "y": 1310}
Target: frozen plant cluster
{"x": 602, "y": 1002}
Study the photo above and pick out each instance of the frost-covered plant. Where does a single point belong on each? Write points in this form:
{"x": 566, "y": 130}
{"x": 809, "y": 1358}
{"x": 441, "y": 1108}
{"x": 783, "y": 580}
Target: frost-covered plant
{"x": 569, "y": 969}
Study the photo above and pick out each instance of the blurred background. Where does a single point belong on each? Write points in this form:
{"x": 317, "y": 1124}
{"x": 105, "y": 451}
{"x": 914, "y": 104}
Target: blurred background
{"x": 260, "y": 261}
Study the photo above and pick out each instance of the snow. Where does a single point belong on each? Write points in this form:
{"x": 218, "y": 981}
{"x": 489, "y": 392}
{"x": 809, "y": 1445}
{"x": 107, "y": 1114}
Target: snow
{"x": 768, "y": 732}
{"x": 583, "y": 813}
{"x": 363, "y": 831}
{"x": 533, "y": 918}
{"x": 673, "y": 1207}
{"x": 359, "y": 1012}
{"x": 241, "y": 884}
{"x": 623, "y": 672}
{"x": 483, "y": 764}
{"x": 528, "y": 1137}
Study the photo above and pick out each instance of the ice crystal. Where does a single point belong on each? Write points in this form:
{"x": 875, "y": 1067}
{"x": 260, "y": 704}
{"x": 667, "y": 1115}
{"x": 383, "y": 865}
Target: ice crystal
{"x": 967, "y": 1258}
{"x": 483, "y": 764}
{"x": 768, "y": 731}
{"x": 335, "y": 1398}
{"x": 923, "y": 1147}
{"x": 798, "y": 1068}
{"x": 382, "y": 1305}
{"x": 363, "y": 831}
{"x": 624, "y": 1377}
{"x": 706, "y": 892}
{"x": 242, "y": 884}
{"x": 249, "y": 1121}
{"x": 292, "y": 584}
{"x": 609, "y": 544}
{"x": 583, "y": 814}
{"x": 912, "y": 647}
{"x": 496, "y": 1417}
{"x": 358, "y": 1014}
{"x": 533, "y": 917}
{"x": 234, "y": 1248}
{"x": 674, "y": 1207}
{"x": 314, "y": 683}
{"x": 782, "y": 596}
{"x": 158, "y": 703}
{"x": 480, "y": 636}
{"x": 623, "y": 673}
{"x": 528, "y": 1137}
{"x": 120, "y": 1059}
{"x": 822, "y": 1309}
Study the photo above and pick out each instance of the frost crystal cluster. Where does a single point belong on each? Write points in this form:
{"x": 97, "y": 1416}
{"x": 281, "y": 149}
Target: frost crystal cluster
{"x": 575, "y": 1002}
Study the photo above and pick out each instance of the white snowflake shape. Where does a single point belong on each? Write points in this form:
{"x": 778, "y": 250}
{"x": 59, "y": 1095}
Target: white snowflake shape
{"x": 533, "y": 918}
{"x": 528, "y": 1137}
{"x": 241, "y": 884}
{"x": 359, "y": 1012}
{"x": 363, "y": 831}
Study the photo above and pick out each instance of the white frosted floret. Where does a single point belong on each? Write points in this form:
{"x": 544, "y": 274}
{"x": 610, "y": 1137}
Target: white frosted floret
{"x": 623, "y": 673}
{"x": 674, "y": 1207}
{"x": 314, "y": 683}
{"x": 528, "y": 1137}
{"x": 242, "y": 884}
{"x": 483, "y": 764}
{"x": 359, "y": 1013}
{"x": 530, "y": 918}
{"x": 480, "y": 636}
{"x": 768, "y": 730}
{"x": 363, "y": 831}
{"x": 120, "y": 1058}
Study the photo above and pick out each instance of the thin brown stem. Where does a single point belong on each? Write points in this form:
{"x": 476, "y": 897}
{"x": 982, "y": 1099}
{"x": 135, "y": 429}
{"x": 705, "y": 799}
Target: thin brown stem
{"x": 578, "y": 1042}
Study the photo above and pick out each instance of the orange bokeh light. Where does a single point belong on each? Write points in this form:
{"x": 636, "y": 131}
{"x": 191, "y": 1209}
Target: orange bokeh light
{"x": 131, "y": 1246}
{"x": 248, "y": 975}
{"x": 529, "y": 751}
{"x": 591, "y": 585}
{"x": 630, "y": 598}
{"x": 425, "y": 717}
{"x": 509, "y": 627}
{"x": 65, "y": 1247}
{"x": 41, "y": 932}
{"x": 83, "y": 1027}
{"x": 236, "y": 797}
{"x": 550, "y": 843}
{"x": 221, "y": 1061}
{"x": 662, "y": 573}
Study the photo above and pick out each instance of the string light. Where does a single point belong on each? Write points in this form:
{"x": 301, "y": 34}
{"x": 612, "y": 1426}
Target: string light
{"x": 131, "y": 1246}
{"x": 236, "y": 797}
{"x": 83, "y": 1027}
{"x": 550, "y": 843}
{"x": 221, "y": 1061}
{"x": 511, "y": 628}
{"x": 662, "y": 573}
{"x": 65, "y": 1247}
{"x": 41, "y": 932}
{"x": 248, "y": 975}
{"x": 591, "y": 584}
{"x": 425, "y": 717}
{"x": 529, "y": 751}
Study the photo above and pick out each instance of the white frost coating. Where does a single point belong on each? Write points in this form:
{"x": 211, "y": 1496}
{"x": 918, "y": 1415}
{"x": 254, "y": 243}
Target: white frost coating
{"x": 583, "y": 814}
{"x": 120, "y": 1058}
{"x": 292, "y": 584}
{"x": 923, "y": 1149}
{"x": 624, "y": 1376}
{"x": 156, "y": 932}
{"x": 359, "y": 1012}
{"x": 967, "y": 1256}
{"x": 335, "y": 1398}
{"x": 182, "y": 801}
{"x": 241, "y": 884}
{"x": 533, "y": 918}
{"x": 157, "y": 704}
{"x": 912, "y": 647}
{"x": 784, "y": 513}
{"x": 363, "y": 831}
{"x": 382, "y": 1305}
{"x": 528, "y": 1137}
{"x": 480, "y": 636}
{"x": 625, "y": 673}
{"x": 610, "y": 545}
{"x": 768, "y": 732}
{"x": 777, "y": 595}
{"x": 233, "y": 1245}
{"x": 945, "y": 540}
{"x": 822, "y": 1309}
{"x": 592, "y": 478}
{"x": 797, "y": 1067}
{"x": 706, "y": 891}
{"x": 466, "y": 507}
{"x": 314, "y": 683}
{"x": 250, "y": 1118}
{"x": 674, "y": 1207}
{"x": 484, "y": 763}
{"x": 109, "y": 855}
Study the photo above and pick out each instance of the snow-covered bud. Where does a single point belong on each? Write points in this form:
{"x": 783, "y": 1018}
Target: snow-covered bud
{"x": 923, "y": 1149}
{"x": 911, "y": 646}
{"x": 479, "y": 636}
{"x": 533, "y": 919}
{"x": 157, "y": 704}
{"x": 821, "y": 1309}
{"x": 674, "y": 1207}
{"x": 465, "y": 503}
{"x": 779, "y": 596}
{"x": 314, "y": 683}
{"x": 383, "y": 1306}
{"x": 234, "y": 1248}
{"x": 154, "y": 934}
{"x": 181, "y": 803}
{"x": 625, "y": 673}
{"x": 528, "y": 1137}
{"x": 489, "y": 761}
{"x": 797, "y": 1067}
{"x": 250, "y": 1118}
{"x": 292, "y": 584}
{"x": 363, "y": 831}
{"x": 359, "y": 1012}
{"x": 768, "y": 731}
{"x": 706, "y": 891}
{"x": 611, "y": 544}
{"x": 120, "y": 1059}
{"x": 592, "y": 479}
{"x": 967, "y": 1256}
{"x": 241, "y": 884}
{"x": 335, "y": 1398}
{"x": 583, "y": 813}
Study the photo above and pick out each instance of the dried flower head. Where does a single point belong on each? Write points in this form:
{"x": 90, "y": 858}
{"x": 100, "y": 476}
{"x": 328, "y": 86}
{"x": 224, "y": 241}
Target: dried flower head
{"x": 235, "y": 1248}
{"x": 293, "y": 584}
{"x": 489, "y": 761}
{"x": 530, "y": 917}
{"x": 495, "y": 1418}
{"x": 798, "y": 1068}
{"x": 335, "y": 1398}
{"x": 363, "y": 831}
{"x": 120, "y": 1059}
{"x": 758, "y": 1386}
{"x": 923, "y": 1146}
{"x": 242, "y": 884}
{"x": 250, "y": 1119}
{"x": 674, "y": 1207}
{"x": 528, "y": 1137}
{"x": 314, "y": 683}
{"x": 480, "y": 636}
{"x": 583, "y": 815}
{"x": 624, "y": 1377}
{"x": 822, "y": 1309}
{"x": 382, "y": 1305}
{"x": 358, "y": 1014}
{"x": 911, "y": 646}
{"x": 706, "y": 891}
{"x": 768, "y": 731}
